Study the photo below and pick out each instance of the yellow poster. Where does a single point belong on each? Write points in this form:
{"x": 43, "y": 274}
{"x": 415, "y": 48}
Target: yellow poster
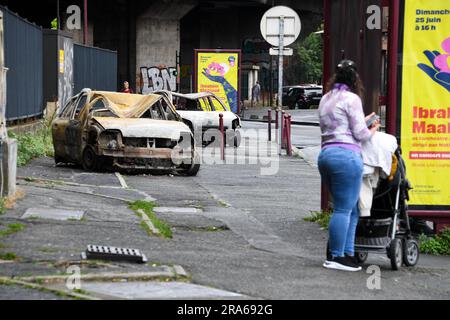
{"x": 218, "y": 72}
{"x": 61, "y": 61}
{"x": 425, "y": 107}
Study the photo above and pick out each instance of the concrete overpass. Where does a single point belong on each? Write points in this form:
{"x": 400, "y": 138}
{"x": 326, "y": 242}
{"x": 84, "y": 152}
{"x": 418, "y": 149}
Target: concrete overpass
{"x": 150, "y": 33}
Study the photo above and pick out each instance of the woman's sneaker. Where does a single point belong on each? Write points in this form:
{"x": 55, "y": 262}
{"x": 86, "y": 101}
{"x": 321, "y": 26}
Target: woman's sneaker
{"x": 342, "y": 263}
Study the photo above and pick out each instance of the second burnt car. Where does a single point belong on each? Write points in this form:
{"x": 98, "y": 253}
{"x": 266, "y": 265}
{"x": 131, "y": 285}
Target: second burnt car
{"x": 200, "y": 111}
{"x": 123, "y": 131}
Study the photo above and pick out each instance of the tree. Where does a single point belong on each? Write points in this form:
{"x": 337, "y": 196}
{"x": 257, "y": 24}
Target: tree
{"x": 54, "y": 24}
{"x": 309, "y": 53}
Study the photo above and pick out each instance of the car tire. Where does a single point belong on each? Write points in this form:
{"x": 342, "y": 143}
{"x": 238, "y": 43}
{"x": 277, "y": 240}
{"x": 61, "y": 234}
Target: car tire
{"x": 237, "y": 139}
{"x": 90, "y": 160}
{"x": 191, "y": 171}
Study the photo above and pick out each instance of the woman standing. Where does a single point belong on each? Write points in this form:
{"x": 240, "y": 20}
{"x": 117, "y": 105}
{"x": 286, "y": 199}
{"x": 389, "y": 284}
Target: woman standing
{"x": 343, "y": 128}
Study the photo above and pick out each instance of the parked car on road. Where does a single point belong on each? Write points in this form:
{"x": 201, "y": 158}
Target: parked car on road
{"x": 302, "y": 96}
{"x": 125, "y": 131}
{"x": 200, "y": 111}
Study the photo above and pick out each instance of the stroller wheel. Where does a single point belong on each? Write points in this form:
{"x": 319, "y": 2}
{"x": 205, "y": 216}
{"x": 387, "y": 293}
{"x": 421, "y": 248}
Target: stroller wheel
{"x": 396, "y": 254}
{"x": 410, "y": 253}
{"x": 361, "y": 257}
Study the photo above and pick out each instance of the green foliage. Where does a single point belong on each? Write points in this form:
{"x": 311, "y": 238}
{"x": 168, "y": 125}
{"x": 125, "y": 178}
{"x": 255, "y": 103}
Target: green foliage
{"x": 147, "y": 207}
{"x": 310, "y": 55}
{"x": 33, "y": 145}
{"x": 438, "y": 245}
{"x": 11, "y": 229}
{"x": 320, "y": 217}
{"x": 54, "y": 24}
{"x": 2, "y": 205}
{"x": 9, "y": 256}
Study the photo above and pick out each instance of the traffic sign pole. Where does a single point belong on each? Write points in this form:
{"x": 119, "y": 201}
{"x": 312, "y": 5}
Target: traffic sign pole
{"x": 280, "y": 81}
{"x": 280, "y": 26}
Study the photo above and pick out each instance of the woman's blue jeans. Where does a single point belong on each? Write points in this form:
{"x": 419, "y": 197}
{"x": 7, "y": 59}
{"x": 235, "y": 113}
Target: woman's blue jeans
{"x": 341, "y": 170}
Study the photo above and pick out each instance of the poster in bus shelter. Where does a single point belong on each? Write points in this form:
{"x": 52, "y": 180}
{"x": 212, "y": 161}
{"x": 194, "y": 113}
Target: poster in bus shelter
{"x": 218, "y": 71}
{"x": 425, "y": 102}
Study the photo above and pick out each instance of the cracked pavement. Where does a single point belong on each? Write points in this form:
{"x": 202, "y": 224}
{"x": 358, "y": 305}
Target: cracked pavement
{"x": 248, "y": 235}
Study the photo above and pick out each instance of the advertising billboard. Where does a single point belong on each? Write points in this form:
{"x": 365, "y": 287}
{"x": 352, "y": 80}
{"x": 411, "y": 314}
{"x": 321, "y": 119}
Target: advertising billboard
{"x": 218, "y": 71}
{"x": 425, "y": 102}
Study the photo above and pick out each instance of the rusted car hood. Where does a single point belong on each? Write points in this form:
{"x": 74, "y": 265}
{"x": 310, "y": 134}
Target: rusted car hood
{"x": 127, "y": 105}
{"x": 208, "y": 118}
{"x": 144, "y": 128}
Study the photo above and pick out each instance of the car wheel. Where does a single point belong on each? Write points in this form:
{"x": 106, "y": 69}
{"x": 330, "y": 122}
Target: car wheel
{"x": 90, "y": 160}
{"x": 237, "y": 139}
{"x": 190, "y": 170}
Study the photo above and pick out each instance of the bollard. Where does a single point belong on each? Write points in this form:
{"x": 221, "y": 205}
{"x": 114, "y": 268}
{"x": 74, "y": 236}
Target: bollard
{"x": 222, "y": 137}
{"x": 277, "y": 115}
{"x": 283, "y": 114}
{"x": 269, "y": 119}
{"x": 283, "y": 131}
{"x": 289, "y": 135}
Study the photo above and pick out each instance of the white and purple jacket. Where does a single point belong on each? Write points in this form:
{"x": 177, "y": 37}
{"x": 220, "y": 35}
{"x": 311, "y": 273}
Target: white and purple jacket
{"x": 342, "y": 120}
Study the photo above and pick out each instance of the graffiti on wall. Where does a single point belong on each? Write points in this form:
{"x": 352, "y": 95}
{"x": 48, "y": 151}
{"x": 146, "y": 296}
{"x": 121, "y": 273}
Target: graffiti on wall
{"x": 65, "y": 82}
{"x": 158, "y": 78}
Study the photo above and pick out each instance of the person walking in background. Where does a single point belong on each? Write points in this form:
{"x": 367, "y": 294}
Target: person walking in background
{"x": 344, "y": 128}
{"x": 126, "y": 88}
{"x": 256, "y": 93}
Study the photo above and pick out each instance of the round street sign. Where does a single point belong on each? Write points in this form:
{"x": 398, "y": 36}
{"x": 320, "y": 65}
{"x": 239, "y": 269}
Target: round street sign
{"x": 270, "y": 25}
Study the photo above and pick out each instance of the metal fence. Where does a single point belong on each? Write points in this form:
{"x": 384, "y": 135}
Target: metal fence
{"x": 23, "y": 58}
{"x": 94, "y": 68}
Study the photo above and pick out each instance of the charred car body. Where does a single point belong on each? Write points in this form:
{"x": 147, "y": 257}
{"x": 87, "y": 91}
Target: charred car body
{"x": 124, "y": 131}
{"x": 200, "y": 111}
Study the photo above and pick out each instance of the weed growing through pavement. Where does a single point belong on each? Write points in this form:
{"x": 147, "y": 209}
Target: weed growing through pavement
{"x": 11, "y": 229}
{"x": 8, "y": 256}
{"x": 320, "y": 217}
{"x": 147, "y": 207}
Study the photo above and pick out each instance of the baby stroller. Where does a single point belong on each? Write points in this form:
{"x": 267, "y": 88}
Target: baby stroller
{"x": 388, "y": 229}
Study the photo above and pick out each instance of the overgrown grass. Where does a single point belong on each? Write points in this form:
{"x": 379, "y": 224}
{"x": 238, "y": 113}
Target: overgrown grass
{"x": 33, "y": 145}
{"x": 320, "y": 217}
{"x": 147, "y": 207}
{"x": 437, "y": 245}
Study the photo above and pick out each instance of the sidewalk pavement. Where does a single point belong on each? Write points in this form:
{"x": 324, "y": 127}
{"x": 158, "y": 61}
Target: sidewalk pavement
{"x": 299, "y": 117}
{"x": 236, "y": 235}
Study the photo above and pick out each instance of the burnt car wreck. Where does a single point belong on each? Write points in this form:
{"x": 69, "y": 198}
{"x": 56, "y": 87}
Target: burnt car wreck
{"x": 106, "y": 130}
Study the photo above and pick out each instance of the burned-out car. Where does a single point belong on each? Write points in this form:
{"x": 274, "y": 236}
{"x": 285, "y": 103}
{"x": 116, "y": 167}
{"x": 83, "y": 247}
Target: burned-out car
{"x": 123, "y": 131}
{"x": 200, "y": 111}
